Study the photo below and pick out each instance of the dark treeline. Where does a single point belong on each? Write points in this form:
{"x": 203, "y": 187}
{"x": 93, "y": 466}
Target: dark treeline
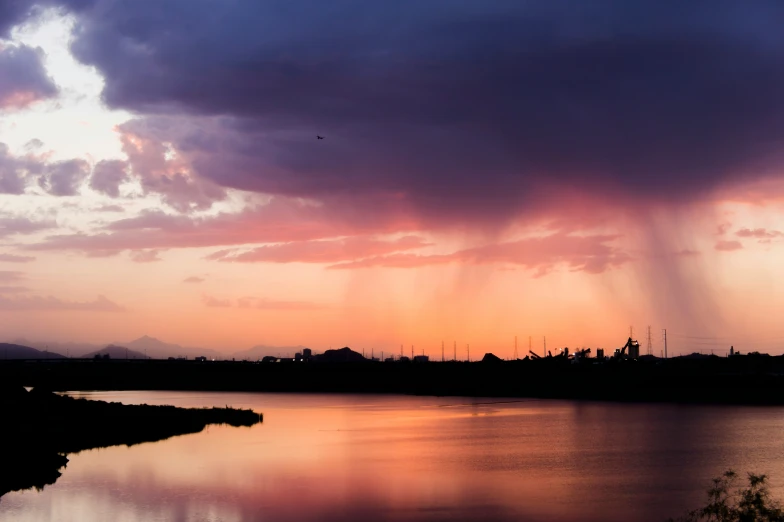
{"x": 39, "y": 428}
{"x": 735, "y": 380}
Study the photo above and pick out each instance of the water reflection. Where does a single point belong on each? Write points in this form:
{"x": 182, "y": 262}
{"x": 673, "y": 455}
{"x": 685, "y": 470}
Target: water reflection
{"x": 362, "y": 458}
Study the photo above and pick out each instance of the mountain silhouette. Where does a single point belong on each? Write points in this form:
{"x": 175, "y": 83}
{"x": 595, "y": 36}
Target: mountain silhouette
{"x": 18, "y": 351}
{"x": 344, "y": 354}
{"x": 117, "y": 352}
{"x": 260, "y": 351}
{"x": 157, "y": 349}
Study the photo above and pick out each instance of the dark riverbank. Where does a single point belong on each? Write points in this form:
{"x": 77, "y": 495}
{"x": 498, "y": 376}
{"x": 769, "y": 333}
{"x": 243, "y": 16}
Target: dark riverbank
{"x": 736, "y": 380}
{"x": 40, "y": 428}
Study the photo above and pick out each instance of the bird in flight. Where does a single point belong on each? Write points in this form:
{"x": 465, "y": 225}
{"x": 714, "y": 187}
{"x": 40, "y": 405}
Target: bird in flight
{"x": 319, "y": 137}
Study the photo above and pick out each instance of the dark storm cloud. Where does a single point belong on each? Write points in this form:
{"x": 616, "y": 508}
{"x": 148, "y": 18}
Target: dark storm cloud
{"x": 450, "y": 102}
{"x": 12, "y": 12}
{"x": 23, "y": 79}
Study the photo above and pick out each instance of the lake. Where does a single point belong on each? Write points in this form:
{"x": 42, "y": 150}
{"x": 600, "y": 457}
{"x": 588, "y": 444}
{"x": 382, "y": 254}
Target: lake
{"x": 400, "y": 458}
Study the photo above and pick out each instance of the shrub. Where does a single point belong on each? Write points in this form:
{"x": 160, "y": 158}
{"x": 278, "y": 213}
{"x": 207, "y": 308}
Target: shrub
{"x": 728, "y": 503}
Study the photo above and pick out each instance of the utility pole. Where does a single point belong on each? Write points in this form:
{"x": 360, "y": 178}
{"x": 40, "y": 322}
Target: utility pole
{"x": 665, "y": 342}
{"x": 515, "y": 353}
{"x": 650, "y": 342}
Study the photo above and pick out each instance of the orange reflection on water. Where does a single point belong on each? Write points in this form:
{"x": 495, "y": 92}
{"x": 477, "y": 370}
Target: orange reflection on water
{"x": 412, "y": 458}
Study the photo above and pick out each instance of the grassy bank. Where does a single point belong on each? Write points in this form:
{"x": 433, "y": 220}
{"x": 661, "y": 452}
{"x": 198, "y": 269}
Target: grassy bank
{"x": 40, "y": 428}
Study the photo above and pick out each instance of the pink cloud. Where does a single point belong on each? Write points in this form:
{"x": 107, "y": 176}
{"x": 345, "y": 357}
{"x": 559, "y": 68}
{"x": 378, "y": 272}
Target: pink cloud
{"x": 728, "y": 246}
{"x": 22, "y": 225}
{"x": 100, "y": 304}
{"x": 324, "y": 251}
{"x": 13, "y": 290}
{"x": 11, "y": 276}
{"x": 13, "y": 258}
{"x": 160, "y": 169}
{"x": 282, "y": 220}
{"x": 145, "y": 256}
{"x": 214, "y": 302}
{"x": 271, "y": 304}
{"x": 759, "y": 233}
{"x": 590, "y": 254}
{"x": 260, "y": 304}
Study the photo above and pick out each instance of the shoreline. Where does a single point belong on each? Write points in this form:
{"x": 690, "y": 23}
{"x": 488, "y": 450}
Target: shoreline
{"x": 41, "y": 428}
{"x": 737, "y": 381}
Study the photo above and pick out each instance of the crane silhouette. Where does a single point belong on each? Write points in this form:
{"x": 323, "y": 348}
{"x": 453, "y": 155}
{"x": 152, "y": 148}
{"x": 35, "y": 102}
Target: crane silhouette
{"x": 319, "y": 137}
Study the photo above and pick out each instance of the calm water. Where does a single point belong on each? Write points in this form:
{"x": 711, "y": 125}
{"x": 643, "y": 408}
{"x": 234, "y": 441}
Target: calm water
{"x": 379, "y": 458}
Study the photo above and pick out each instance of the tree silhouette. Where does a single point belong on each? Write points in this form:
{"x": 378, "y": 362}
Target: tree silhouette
{"x": 726, "y": 503}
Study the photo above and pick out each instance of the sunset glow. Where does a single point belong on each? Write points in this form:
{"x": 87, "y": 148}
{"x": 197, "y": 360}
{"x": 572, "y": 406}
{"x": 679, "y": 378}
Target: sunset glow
{"x": 531, "y": 184}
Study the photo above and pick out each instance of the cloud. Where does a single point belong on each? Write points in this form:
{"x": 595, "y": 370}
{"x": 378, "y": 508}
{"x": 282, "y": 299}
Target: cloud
{"x": 25, "y": 303}
{"x": 13, "y": 290}
{"x": 107, "y": 177}
{"x": 214, "y": 302}
{"x": 12, "y": 172}
{"x": 728, "y": 246}
{"x": 23, "y": 79}
{"x": 759, "y": 233}
{"x": 723, "y": 228}
{"x": 10, "y": 276}
{"x": 13, "y": 258}
{"x": 63, "y": 178}
{"x": 21, "y": 225}
{"x": 591, "y": 254}
{"x": 462, "y": 113}
{"x": 282, "y": 220}
{"x": 60, "y": 178}
{"x": 164, "y": 171}
{"x": 329, "y": 251}
{"x": 257, "y": 303}
{"x": 271, "y": 304}
{"x": 109, "y": 208}
{"x": 145, "y": 256}
{"x": 193, "y": 279}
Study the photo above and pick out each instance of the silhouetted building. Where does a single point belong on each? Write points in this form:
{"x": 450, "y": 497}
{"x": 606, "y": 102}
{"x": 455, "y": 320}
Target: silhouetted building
{"x": 201, "y": 358}
{"x": 600, "y": 353}
{"x": 421, "y": 358}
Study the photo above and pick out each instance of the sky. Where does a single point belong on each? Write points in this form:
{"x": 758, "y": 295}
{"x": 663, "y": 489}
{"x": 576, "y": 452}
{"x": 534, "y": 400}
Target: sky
{"x": 554, "y": 170}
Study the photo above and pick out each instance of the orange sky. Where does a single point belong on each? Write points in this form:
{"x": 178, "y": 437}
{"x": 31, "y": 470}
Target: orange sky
{"x": 234, "y": 268}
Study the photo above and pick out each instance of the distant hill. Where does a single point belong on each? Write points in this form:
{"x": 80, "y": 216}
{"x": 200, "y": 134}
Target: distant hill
{"x": 344, "y": 354}
{"x": 67, "y": 349}
{"x": 261, "y": 351}
{"x": 157, "y": 349}
{"x": 17, "y": 351}
{"x": 117, "y": 352}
